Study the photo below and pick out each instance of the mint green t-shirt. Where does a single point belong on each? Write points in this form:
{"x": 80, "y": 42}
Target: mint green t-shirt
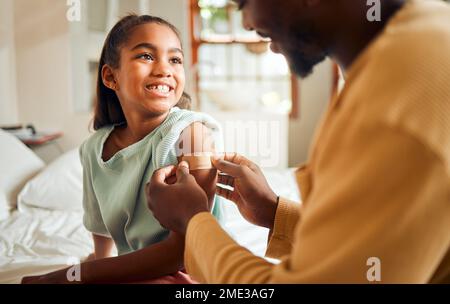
{"x": 114, "y": 198}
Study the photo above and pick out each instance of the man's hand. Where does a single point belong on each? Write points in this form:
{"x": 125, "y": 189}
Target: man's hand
{"x": 252, "y": 194}
{"x": 174, "y": 197}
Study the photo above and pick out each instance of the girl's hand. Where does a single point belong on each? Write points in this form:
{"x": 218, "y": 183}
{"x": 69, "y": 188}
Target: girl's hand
{"x": 57, "y": 277}
{"x": 32, "y": 280}
{"x": 90, "y": 257}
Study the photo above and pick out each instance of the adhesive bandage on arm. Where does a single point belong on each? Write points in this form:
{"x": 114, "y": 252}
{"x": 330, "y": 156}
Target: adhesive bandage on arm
{"x": 198, "y": 161}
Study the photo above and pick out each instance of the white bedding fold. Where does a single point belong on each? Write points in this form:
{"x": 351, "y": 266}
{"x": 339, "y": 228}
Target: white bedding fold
{"x": 40, "y": 241}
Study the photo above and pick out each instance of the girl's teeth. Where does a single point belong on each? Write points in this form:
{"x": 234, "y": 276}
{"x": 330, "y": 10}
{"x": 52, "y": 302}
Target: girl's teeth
{"x": 161, "y": 88}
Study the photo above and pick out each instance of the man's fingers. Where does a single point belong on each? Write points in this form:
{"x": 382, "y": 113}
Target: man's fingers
{"x": 237, "y": 159}
{"x": 171, "y": 180}
{"x": 182, "y": 170}
{"x": 225, "y": 179}
{"x": 241, "y": 160}
{"x": 227, "y": 193}
{"x": 160, "y": 175}
{"x": 232, "y": 157}
{"x": 227, "y": 167}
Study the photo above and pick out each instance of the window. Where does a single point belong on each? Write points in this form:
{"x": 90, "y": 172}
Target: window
{"x": 234, "y": 69}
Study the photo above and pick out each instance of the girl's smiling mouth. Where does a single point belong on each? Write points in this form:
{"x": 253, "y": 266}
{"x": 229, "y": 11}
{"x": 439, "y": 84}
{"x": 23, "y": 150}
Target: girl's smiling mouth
{"x": 159, "y": 89}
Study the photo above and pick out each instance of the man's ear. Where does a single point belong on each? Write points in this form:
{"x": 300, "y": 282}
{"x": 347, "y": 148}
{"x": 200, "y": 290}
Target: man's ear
{"x": 108, "y": 78}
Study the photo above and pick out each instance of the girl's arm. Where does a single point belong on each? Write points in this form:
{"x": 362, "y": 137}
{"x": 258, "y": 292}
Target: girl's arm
{"x": 102, "y": 247}
{"x": 152, "y": 262}
{"x": 197, "y": 139}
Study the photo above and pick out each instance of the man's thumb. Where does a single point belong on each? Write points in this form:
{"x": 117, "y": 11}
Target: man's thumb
{"x": 226, "y": 166}
{"x": 182, "y": 170}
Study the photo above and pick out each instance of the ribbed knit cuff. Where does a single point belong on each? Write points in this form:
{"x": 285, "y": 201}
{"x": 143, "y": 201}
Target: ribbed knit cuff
{"x": 281, "y": 236}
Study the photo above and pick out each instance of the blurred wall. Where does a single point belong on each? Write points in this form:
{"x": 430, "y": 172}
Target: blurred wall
{"x": 315, "y": 93}
{"x": 43, "y": 68}
{"x": 8, "y": 99}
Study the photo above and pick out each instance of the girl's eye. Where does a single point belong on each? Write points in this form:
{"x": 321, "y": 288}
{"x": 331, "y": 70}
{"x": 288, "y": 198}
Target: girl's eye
{"x": 146, "y": 57}
{"x": 176, "y": 60}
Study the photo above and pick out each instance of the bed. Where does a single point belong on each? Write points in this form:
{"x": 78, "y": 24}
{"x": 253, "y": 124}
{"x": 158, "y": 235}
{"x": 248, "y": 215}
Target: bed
{"x": 41, "y": 226}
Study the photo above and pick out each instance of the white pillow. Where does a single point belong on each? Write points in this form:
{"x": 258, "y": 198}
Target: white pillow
{"x": 57, "y": 187}
{"x": 17, "y": 165}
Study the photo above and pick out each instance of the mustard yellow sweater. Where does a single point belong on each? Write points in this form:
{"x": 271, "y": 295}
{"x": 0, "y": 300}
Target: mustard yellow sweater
{"x": 377, "y": 183}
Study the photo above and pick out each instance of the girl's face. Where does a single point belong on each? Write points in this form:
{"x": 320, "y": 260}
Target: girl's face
{"x": 150, "y": 77}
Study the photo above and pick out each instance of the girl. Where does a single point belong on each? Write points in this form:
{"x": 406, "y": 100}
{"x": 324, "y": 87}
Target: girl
{"x": 139, "y": 128}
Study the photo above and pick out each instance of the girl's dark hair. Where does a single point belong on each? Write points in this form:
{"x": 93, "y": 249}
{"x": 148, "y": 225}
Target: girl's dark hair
{"x": 107, "y": 109}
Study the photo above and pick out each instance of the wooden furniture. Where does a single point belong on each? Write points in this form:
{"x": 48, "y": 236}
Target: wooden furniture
{"x": 44, "y": 144}
{"x": 41, "y": 139}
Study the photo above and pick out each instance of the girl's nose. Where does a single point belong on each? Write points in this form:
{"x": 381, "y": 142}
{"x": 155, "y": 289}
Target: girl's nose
{"x": 161, "y": 69}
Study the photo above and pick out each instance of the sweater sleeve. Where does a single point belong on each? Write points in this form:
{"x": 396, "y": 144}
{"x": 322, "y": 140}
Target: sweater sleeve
{"x": 281, "y": 237}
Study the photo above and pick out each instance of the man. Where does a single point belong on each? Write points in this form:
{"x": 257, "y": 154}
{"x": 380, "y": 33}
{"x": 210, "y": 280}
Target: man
{"x": 376, "y": 188}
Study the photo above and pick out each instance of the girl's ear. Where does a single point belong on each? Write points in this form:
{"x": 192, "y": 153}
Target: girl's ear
{"x": 108, "y": 78}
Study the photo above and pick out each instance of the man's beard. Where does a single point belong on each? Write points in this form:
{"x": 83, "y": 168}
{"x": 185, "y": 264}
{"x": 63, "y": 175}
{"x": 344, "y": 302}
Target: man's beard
{"x": 303, "y": 64}
{"x": 301, "y": 51}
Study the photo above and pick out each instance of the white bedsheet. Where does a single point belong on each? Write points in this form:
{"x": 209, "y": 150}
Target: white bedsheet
{"x": 39, "y": 241}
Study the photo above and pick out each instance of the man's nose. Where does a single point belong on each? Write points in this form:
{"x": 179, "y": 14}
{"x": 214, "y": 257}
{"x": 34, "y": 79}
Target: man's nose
{"x": 246, "y": 22}
{"x": 275, "y": 47}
